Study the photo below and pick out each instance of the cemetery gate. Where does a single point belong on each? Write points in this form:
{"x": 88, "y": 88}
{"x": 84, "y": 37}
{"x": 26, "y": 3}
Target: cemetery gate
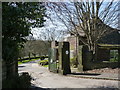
{"x": 59, "y": 58}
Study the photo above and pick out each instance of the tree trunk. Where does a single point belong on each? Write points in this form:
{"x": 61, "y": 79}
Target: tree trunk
{"x": 29, "y": 55}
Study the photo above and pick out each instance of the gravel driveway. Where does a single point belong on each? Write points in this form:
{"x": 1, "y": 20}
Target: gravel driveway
{"x": 44, "y": 79}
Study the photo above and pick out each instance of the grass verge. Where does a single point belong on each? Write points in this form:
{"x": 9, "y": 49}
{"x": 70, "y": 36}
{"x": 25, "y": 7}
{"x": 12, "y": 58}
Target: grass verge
{"x": 25, "y": 61}
{"x": 43, "y": 63}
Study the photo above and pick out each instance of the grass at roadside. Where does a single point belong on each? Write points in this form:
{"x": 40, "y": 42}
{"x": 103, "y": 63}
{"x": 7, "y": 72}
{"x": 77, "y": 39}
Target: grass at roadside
{"x": 43, "y": 63}
{"x": 25, "y": 61}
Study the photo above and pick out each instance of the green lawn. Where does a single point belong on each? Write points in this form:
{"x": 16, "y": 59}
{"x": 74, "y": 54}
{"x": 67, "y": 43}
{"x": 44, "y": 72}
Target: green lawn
{"x": 45, "y": 65}
{"x": 113, "y": 60}
{"x": 25, "y": 61}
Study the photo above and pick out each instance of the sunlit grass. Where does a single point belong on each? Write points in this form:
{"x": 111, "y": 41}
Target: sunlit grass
{"x": 25, "y": 61}
{"x": 45, "y": 65}
{"x": 19, "y": 62}
{"x": 113, "y": 60}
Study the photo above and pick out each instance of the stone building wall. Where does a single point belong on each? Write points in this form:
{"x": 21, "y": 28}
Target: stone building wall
{"x": 102, "y": 54}
{"x": 88, "y": 64}
{"x": 73, "y": 45}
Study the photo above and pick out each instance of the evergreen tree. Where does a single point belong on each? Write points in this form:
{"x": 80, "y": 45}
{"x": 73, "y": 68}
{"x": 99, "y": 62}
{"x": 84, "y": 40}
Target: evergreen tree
{"x": 17, "y": 19}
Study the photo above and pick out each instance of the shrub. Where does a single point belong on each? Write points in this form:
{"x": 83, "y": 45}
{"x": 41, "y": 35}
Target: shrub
{"x": 42, "y": 58}
{"x": 73, "y": 62}
{"x": 22, "y": 81}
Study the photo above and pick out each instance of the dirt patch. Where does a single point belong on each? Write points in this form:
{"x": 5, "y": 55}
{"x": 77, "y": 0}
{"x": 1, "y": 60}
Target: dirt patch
{"x": 104, "y": 70}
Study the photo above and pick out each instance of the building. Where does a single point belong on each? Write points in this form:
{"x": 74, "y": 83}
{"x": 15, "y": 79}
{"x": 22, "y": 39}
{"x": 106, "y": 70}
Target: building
{"x": 107, "y": 50}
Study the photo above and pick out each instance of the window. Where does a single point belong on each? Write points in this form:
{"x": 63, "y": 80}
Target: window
{"x": 113, "y": 55}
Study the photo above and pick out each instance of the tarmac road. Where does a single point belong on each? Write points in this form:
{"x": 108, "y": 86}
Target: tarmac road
{"x": 42, "y": 78}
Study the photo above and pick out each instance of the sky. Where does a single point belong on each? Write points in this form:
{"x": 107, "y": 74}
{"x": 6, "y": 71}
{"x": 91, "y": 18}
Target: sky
{"x": 49, "y": 28}
{"x": 56, "y": 26}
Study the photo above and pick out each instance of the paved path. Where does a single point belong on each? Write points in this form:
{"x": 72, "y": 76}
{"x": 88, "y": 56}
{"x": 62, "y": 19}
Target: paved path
{"x": 103, "y": 75}
{"x": 45, "y": 79}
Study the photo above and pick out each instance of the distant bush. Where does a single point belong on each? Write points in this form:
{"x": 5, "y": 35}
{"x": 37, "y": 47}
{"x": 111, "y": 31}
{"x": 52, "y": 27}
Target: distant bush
{"x": 43, "y": 62}
{"x": 22, "y": 81}
{"x": 27, "y": 58}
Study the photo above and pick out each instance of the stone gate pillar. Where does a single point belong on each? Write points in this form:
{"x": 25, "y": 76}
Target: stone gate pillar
{"x": 80, "y": 65}
{"x": 64, "y": 58}
{"x": 87, "y": 58}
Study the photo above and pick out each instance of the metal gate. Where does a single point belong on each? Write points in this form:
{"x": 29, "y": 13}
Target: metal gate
{"x": 53, "y": 61}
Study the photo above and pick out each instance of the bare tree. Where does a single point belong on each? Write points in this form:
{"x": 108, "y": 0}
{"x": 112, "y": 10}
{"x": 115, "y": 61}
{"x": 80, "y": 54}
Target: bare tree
{"x": 28, "y": 46}
{"x": 35, "y": 48}
{"x": 88, "y": 18}
{"x": 51, "y": 35}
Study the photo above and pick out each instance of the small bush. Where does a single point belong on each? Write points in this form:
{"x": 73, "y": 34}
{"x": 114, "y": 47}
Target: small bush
{"x": 43, "y": 62}
{"x": 42, "y": 58}
{"x": 73, "y": 62}
{"x": 23, "y": 81}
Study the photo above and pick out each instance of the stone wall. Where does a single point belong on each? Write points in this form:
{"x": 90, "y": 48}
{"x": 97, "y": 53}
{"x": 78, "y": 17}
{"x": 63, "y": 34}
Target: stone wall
{"x": 89, "y": 64}
{"x": 102, "y": 54}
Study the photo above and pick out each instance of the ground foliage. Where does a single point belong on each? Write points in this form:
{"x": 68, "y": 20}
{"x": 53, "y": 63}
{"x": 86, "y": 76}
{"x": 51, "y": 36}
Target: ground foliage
{"x": 22, "y": 81}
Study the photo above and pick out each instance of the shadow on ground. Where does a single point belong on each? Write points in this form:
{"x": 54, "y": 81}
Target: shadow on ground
{"x": 38, "y": 88}
{"x": 74, "y": 88}
{"x": 20, "y": 66}
{"x": 94, "y": 88}
{"x": 91, "y": 74}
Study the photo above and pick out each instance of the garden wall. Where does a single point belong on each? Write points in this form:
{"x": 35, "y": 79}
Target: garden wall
{"x": 89, "y": 64}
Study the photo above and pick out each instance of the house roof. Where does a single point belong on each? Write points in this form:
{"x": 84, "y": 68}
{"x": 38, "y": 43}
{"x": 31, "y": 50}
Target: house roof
{"x": 112, "y": 38}
{"x": 113, "y": 46}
